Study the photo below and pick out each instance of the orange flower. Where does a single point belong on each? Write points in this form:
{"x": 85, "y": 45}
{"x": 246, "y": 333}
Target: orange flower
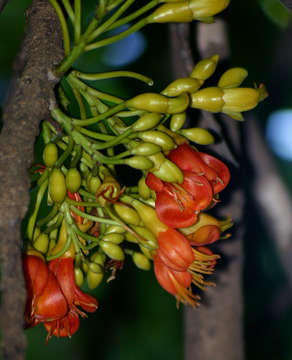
{"x": 53, "y": 297}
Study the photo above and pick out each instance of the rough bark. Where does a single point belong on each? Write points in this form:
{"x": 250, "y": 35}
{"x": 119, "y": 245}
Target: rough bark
{"x": 215, "y": 330}
{"x": 27, "y": 104}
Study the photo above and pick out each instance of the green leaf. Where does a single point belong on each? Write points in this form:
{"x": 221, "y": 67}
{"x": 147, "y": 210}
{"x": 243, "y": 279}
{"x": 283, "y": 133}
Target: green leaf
{"x": 277, "y": 12}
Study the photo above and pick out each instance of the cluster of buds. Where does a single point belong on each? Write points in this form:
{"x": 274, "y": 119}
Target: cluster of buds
{"x": 91, "y": 222}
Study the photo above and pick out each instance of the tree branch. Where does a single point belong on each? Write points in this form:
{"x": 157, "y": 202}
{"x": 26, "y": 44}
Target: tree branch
{"x": 28, "y": 103}
{"x": 216, "y": 328}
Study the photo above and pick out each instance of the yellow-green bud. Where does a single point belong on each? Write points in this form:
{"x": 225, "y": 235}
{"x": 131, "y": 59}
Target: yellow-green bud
{"x": 85, "y": 267}
{"x": 141, "y": 261}
{"x": 177, "y": 121}
{"x": 198, "y": 135}
{"x": 115, "y": 238}
{"x": 94, "y": 275}
{"x": 159, "y": 138}
{"x": 115, "y": 229}
{"x": 50, "y": 154}
{"x": 205, "y": 68}
{"x": 41, "y": 243}
{"x": 173, "y": 12}
{"x": 143, "y": 189}
{"x": 165, "y": 169}
{"x": 206, "y": 8}
{"x": 209, "y": 99}
{"x": 73, "y": 180}
{"x": 79, "y": 277}
{"x": 127, "y": 214}
{"x": 240, "y": 99}
{"x": 146, "y": 252}
{"x": 36, "y": 233}
{"x": 139, "y": 162}
{"x": 145, "y": 149}
{"x": 178, "y": 104}
{"x": 232, "y": 78}
{"x": 98, "y": 258}
{"x": 93, "y": 183}
{"x": 57, "y": 186}
{"x": 147, "y": 122}
{"x": 179, "y": 86}
{"x": 149, "y": 240}
{"x": 131, "y": 238}
{"x": 150, "y": 102}
{"x": 112, "y": 250}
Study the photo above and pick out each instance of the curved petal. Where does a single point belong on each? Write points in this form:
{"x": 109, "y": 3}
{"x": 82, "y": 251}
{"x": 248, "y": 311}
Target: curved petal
{"x": 206, "y": 234}
{"x": 223, "y": 174}
{"x": 153, "y": 182}
{"x": 65, "y": 327}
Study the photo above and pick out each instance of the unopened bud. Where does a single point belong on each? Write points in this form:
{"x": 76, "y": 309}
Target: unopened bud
{"x": 240, "y": 99}
{"x": 112, "y": 250}
{"x": 179, "y": 86}
{"x": 115, "y": 229}
{"x": 127, "y": 214}
{"x": 205, "y": 68}
{"x": 145, "y": 149}
{"x": 232, "y": 78}
{"x": 98, "y": 258}
{"x": 114, "y": 238}
{"x": 139, "y": 162}
{"x": 94, "y": 275}
{"x": 50, "y": 154}
{"x": 207, "y": 8}
{"x": 172, "y": 12}
{"x": 143, "y": 189}
{"x": 177, "y": 121}
{"x": 159, "y": 138}
{"x": 141, "y": 261}
{"x": 79, "y": 277}
{"x": 209, "y": 99}
{"x": 73, "y": 180}
{"x": 41, "y": 243}
{"x": 93, "y": 183}
{"x": 151, "y": 102}
{"x": 147, "y": 122}
{"x": 198, "y": 135}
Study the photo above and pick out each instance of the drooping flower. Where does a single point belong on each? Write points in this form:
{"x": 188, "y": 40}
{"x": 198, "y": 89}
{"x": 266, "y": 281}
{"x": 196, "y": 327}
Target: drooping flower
{"x": 53, "y": 296}
{"x": 177, "y": 205}
{"x": 216, "y": 172}
{"x": 177, "y": 265}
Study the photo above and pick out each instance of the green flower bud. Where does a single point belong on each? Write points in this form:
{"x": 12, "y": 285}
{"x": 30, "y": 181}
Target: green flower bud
{"x": 50, "y": 154}
{"x": 177, "y": 121}
{"x": 73, "y": 180}
{"x": 131, "y": 238}
{"x": 147, "y": 122}
{"x": 151, "y": 102}
{"x": 139, "y": 162}
{"x": 79, "y": 277}
{"x": 198, "y": 135}
{"x": 165, "y": 169}
{"x": 85, "y": 267}
{"x": 94, "y": 275}
{"x": 178, "y": 104}
{"x": 93, "y": 183}
{"x": 127, "y": 214}
{"x": 179, "y": 86}
{"x": 57, "y": 186}
{"x": 141, "y": 261}
{"x": 98, "y": 258}
{"x": 205, "y": 68}
{"x": 112, "y": 250}
{"x": 41, "y": 243}
{"x": 145, "y": 149}
{"x": 115, "y": 229}
{"x": 36, "y": 233}
{"x": 159, "y": 138}
{"x": 115, "y": 238}
{"x": 149, "y": 240}
{"x": 207, "y": 8}
{"x": 143, "y": 189}
{"x": 173, "y": 12}
{"x": 209, "y": 99}
{"x": 240, "y": 99}
{"x": 232, "y": 78}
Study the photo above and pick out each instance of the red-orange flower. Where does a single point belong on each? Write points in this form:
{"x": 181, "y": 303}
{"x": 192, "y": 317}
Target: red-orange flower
{"x": 53, "y": 297}
{"x": 177, "y": 265}
{"x": 186, "y": 158}
{"x": 177, "y": 205}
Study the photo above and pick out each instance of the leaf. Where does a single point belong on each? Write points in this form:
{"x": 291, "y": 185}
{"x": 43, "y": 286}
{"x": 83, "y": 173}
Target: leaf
{"x": 277, "y": 12}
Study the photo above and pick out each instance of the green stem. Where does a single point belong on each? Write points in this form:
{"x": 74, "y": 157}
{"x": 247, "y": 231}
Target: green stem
{"x": 115, "y": 141}
{"x": 100, "y": 117}
{"x": 49, "y": 217}
{"x": 134, "y": 15}
{"x": 95, "y": 135}
{"x": 32, "y": 219}
{"x": 66, "y": 153}
{"x": 61, "y": 252}
{"x": 87, "y": 194}
{"x": 111, "y": 20}
{"x": 80, "y": 103}
{"x": 64, "y": 26}
{"x": 82, "y": 203}
{"x": 113, "y": 74}
{"x": 77, "y": 153}
{"x": 77, "y": 22}
{"x": 139, "y": 25}
{"x": 86, "y": 236}
{"x": 92, "y": 217}
{"x": 68, "y": 8}
{"x": 78, "y": 84}
{"x": 43, "y": 178}
{"x": 54, "y": 226}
